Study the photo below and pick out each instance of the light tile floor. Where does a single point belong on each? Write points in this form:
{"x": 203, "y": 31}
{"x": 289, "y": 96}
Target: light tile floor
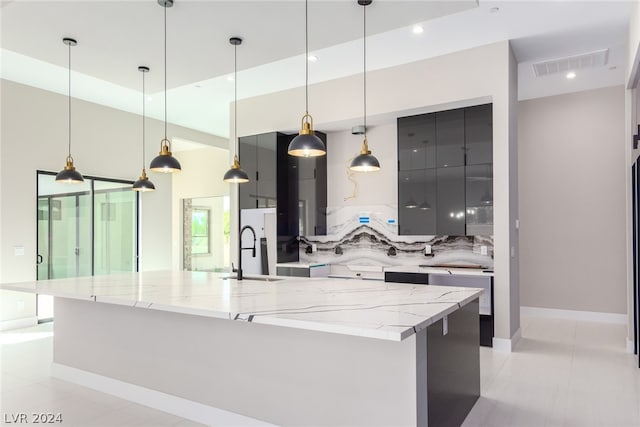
{"x": 563, "y": 373}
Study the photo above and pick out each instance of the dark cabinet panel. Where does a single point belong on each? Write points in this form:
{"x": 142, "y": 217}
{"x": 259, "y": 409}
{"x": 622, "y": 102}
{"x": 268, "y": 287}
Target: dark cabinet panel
{"x": 417, "y": 142}
{"x": 249, "y": 163}
{"x": 266, "y": 153}
{"x": 450, "y": 216}
{"x": 287, "y": 214}
{"x": 479, "y": 199}
{"x": 312, "y": 193}
{"x": 445, "y": 180}
{"x": 450, "y": 138}
{"x": 417, "y": 207}
{"x": 478, "y": 129}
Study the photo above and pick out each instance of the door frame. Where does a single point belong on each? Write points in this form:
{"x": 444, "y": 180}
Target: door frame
{"x": 92, "y": 193}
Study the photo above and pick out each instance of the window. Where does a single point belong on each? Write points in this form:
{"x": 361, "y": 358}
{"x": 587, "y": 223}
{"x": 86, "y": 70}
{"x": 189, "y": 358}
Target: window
{"x": 199, "y": 231}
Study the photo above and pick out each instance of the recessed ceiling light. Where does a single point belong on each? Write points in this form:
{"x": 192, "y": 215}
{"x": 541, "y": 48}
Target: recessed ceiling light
{"x": 417, "y": 29}
{"x": 571, "y": 75}
{"x": 494, "y": 10}
{"x": 230, "y": 78}
{"x": 313, "y": 58}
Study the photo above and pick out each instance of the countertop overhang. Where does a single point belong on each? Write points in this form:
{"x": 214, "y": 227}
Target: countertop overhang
{"x": 379, "y": 310}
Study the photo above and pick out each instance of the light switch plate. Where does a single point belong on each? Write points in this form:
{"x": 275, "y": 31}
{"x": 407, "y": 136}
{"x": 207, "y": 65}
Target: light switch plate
{"x": 484, "y": 250}
{"x": 314, "y": 248}
{"x": 18, "y": 251}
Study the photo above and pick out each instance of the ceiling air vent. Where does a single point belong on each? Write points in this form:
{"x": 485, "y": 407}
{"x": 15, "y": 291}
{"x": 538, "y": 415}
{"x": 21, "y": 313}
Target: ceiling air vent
{"x": 599, "y": 58}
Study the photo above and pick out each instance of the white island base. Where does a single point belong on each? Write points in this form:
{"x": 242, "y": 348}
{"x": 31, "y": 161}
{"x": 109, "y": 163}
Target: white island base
{"x": 222, "y": 372}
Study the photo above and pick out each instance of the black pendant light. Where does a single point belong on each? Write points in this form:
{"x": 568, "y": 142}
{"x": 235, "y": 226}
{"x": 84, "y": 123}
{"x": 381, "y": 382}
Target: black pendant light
{"x": 365, "y": 161}
{"x": 306, "y": 144}
{"x": 69, "y": 175}
{"x": 235, "y": 175}
{"x": 165, "y": 162}
{"x": 143, "y": 183}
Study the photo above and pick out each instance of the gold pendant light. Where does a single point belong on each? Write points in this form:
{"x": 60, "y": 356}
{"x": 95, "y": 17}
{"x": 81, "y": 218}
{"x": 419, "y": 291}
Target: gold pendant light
{"x": 143, "y": 183}
{"x": 235, "y": 174}
{"x": 306, "y": 144}
{"x": 165, "y": 162}
{"x": 365, "y": 161}
{"x": 69, "y": 175}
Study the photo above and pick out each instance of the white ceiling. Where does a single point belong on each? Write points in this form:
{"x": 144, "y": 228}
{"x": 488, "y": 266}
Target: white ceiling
{"x": 116, "y": 36}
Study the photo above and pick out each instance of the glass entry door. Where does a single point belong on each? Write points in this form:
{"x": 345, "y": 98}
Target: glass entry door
{"x": 84, "y": 229}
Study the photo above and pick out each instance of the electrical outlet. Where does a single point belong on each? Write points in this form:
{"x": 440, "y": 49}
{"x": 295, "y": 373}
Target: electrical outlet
{"x": 427, "y": 250}
{"x": 314, "y": 248}
{"x": 484, "y": 250}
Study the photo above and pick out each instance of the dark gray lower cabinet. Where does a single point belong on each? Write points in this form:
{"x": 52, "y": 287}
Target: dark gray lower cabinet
{"x": 453, "y": 367}
{"x": 486, "y": 316}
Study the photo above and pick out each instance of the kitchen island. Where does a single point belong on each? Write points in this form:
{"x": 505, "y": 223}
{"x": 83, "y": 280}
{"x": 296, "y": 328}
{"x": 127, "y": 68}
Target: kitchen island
{"x": 282, "y": 351}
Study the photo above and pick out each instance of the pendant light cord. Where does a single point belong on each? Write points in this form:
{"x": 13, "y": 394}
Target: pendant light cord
{"x": 143, "y": 121}
{"x": 69, "y": 100}
{"x": 364, "y": 14}
{"x": 306, "y": 59}
{"x": 165, "y": 72}
{"x": 235, "y": 97}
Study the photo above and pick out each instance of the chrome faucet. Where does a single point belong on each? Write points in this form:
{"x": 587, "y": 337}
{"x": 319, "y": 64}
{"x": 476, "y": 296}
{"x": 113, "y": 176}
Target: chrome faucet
{"x": 240, "y": 248}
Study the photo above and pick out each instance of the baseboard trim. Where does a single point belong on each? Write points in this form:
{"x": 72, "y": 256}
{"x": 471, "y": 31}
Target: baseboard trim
{"x": 174, "y": 405}
{"x": 507, "y": 345}
{"x": 630, "y": 346}
{"x": 587, "y": 316}
{"x": 7, "y": 325}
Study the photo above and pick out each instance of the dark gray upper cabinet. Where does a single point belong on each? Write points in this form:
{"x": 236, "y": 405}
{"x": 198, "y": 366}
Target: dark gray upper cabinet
{"x": 312, "y": 193}
{"x": 445, "y": 179}
{"x": 450, "y": 138}
{"x": 249, "y": 163}
{"x": 478, "y": 127}
{"x": 417, "y": 142}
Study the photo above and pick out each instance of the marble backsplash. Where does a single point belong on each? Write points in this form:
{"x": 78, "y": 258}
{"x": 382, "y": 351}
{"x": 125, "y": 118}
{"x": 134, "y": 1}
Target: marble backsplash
{"x": 368, "y": 235}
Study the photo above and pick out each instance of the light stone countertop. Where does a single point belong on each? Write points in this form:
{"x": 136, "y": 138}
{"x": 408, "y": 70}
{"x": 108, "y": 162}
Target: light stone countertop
{"x": 387, "y": 311}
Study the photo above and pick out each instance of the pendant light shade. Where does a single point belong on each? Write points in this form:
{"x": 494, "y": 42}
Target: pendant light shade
{"x": 165, "y": 162}
{"x": 306, "y": 144}
{"x": 69, "y": 175}
{"x": 235, "y": 175}
{"x": 365, "y": 161}
{"x": 143, "y": 183}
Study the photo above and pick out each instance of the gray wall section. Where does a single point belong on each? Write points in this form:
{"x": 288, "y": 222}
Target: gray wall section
{"x": 572, "y": 198}
{"x": 280, "y": 375}
{"x": 514, "y": 235}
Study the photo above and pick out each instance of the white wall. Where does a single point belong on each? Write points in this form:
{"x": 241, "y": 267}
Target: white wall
{"x": 105, "y": 143}
{"x": 572, "y": 193}
{"x": 410, "y": 89}
{"x": 372, "y": 188}
{"x": 201, "y": 176}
